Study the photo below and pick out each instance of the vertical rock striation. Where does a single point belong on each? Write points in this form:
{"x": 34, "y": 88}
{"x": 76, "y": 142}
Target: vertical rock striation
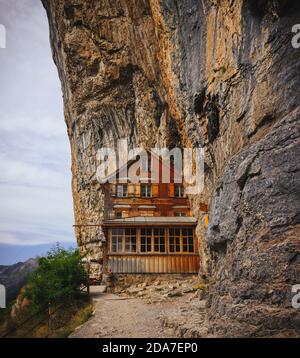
{"x": 217, "y": 73}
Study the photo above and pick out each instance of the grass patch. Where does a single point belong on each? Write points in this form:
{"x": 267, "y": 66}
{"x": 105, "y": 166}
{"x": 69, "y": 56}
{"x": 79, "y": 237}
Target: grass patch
{"x": 83, "y": 315}
{"x": 200, "y": 287}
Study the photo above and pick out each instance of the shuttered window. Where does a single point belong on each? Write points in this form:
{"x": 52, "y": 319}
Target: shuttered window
{"x": 118, "y": 215}
{"x": 178, "y": 191}
{"x": 121, "y": 190}
{"x": 145, "y": 190}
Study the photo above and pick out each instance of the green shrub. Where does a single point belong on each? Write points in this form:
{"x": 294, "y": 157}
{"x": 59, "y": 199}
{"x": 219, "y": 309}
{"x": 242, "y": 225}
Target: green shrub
{"x": 57, "y": 277}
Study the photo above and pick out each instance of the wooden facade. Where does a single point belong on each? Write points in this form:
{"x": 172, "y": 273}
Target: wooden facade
{"x": 153, "y": 264}
{"x": 150, "y": 248}
{"x": 149, "y": 226}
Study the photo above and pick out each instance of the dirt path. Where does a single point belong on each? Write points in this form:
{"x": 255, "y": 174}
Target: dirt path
{"x": 117, "y": 316}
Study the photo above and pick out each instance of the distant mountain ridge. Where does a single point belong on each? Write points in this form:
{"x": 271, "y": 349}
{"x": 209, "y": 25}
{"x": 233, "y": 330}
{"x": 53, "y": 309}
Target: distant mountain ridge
{"x": 13, "y": 277}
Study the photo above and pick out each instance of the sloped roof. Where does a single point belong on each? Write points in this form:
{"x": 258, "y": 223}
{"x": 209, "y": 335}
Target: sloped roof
{"x": 130, "y": 162}
{"x": 153, "y": 220}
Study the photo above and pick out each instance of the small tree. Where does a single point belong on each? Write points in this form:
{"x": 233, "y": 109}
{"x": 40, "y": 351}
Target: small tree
{"x": 57, "y": 277}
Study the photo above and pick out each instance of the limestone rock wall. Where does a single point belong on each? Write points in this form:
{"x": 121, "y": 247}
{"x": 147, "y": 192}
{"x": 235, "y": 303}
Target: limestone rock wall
{"x": 217, "y": 73}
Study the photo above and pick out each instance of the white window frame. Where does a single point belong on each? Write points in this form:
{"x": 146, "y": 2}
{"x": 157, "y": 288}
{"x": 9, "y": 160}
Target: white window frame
{"x": 180, "y": 191}
{"x": 121, "y": 193}
{"x": 148, "y": 190}
{"x": 180, "y": 214}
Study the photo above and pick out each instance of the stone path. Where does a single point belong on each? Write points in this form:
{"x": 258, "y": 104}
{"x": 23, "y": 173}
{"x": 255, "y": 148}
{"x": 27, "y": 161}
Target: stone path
{"x": 117, "y": 316}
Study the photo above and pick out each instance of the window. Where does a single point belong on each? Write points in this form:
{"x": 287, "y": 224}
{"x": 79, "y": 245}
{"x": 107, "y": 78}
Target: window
{"x": 121, "y": 190}
{"x": 179, "y": 214}
{"x": 152, "y": 240}
{"x": 159, "y": 240}
{"x": 174, "y": 239}
{"x": 181, "y": 239}
{"x": 130, "y": 240}
{"x": 118, "y": 215}
{"x": 187, "y": 239}
{"x": 116, "y": 240}
{"x": 146, "y": 238}
{"x": 178, "y": 191}
{"x": 145, "y": 190}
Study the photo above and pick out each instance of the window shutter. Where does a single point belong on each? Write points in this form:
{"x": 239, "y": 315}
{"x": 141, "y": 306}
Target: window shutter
{"x": 131, "y": 188}
{"x": 137, "y": 190}
{"x": 171, "y": 190}
{"x": 112, "y": 189}
{"x": 155, "y": 192}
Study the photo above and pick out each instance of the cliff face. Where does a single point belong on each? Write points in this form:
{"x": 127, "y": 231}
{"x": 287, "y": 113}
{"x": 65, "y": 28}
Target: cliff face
{"x": 14, "y": 277}
{"x": 217, "y": 73}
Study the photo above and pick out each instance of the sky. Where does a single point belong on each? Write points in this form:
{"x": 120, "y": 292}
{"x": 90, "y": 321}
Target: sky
{"x": 35, "y": 174}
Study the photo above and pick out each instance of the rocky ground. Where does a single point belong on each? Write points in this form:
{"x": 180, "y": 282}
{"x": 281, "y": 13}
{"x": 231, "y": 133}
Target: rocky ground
{"x": 159, "y": 309}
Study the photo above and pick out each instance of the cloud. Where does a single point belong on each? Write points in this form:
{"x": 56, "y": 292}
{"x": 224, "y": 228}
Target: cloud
{"x": 33, "y": 215}
{"x": 35, "y": 177}
{"x": 18, "y": 172}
